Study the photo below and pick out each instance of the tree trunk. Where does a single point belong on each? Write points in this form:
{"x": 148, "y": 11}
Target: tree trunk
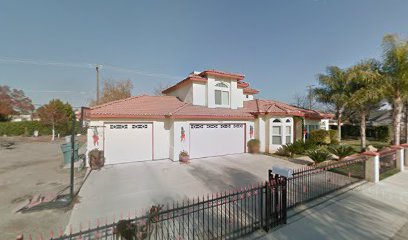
{"x": 339, "y": 114}
{"x": 53, "y": 132}
{"x": 406, "y": 122}
{"x": 396, "y": 120}
{"x": 363, "y": 131}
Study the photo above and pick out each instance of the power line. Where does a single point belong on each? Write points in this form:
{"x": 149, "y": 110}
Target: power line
{"x": 84, "y": 65}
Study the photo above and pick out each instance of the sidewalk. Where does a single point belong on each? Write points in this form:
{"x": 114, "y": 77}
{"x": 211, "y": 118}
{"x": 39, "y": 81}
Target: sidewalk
{"x": 369, "y": 211}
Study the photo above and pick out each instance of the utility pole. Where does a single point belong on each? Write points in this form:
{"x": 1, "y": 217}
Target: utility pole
{"x": 310, "y": 87}
{"x": 71, "y": 192}
{"x": 97, "y": 83}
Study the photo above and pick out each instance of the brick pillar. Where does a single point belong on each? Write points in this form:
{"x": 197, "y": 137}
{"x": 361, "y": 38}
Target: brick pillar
{"x": 405, "y": 146}
{"x": 372, "y": 167}
{"x": 400, "y": 157}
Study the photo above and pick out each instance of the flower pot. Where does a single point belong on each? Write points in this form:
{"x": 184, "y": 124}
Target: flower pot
{"x": 253, "y": 148}
{"x": 184, "y": 159}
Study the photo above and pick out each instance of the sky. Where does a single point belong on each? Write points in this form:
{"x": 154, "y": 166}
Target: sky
{"x": 49, "y": 48}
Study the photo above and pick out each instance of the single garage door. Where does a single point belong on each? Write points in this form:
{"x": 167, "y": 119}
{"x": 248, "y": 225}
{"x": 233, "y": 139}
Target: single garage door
{"x": 128, "y": 142}
{"x": 208, "y": 140}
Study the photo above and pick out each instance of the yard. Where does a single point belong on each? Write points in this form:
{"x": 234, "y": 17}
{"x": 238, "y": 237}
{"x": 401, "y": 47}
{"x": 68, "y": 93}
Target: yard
{"x": 34, "y": 166}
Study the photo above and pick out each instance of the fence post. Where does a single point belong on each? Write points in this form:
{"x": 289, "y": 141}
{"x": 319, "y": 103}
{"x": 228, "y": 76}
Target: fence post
{"x": 372, "y": 167}
{"x": 405, "y": 146}
{"x": 400, "y": 157}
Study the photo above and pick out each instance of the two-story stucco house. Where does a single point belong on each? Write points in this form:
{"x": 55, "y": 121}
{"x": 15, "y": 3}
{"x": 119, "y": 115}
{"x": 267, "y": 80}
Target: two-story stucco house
{"x": 209, "y": 113}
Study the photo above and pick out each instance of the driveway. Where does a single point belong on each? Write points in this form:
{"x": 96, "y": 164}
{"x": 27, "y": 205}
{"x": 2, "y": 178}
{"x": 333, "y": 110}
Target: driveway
{"x": 120, "y": 190}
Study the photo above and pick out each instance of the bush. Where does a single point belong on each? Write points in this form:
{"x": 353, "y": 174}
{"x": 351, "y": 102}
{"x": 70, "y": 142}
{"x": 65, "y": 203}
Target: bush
{"x": 341, "y": 151}
{"x": 333, "y": 136}
{"x": 296, "y": 148}
{"x": 283, "y": 151}
{"x": 28, "y": 128}
{"x": 320, "y": 136}
{"x": 319, "y": 155}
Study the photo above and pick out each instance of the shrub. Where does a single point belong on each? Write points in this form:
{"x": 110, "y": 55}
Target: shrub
{"x": 320, "y": 136}
{"x": 297, "y": 147}
{"x": 333, "y": 136}
{"x": 309, "y": 145}
{"x": 341, "y": 151}
{"x": 319, "y": 155}
{"x": 28, "y": 127}
{"x": 283, "y": 151}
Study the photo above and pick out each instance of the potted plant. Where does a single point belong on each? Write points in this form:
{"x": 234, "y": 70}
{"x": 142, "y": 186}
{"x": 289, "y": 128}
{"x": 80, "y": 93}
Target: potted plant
{"x": 96, "y": 159}
{"x": 184, "y": 157}
{"x": 253, "y": 146}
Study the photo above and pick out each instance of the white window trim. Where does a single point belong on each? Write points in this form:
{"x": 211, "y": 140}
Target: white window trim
{"x": 227, "y": 88}
{"x": 283, "y": 124}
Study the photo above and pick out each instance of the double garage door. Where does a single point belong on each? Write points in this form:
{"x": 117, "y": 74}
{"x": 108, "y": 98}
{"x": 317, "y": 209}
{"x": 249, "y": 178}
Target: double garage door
{"x": 132, "y": 142}
{"x": 128, "y": 142}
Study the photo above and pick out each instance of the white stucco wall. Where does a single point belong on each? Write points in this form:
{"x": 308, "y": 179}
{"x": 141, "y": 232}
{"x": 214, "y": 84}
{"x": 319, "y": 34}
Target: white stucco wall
{"x": 260, "y": 133}
{"x": 178, "y": 145}
{"x": 184, "y": 93}
{"x": 200, "y": 94}
{"x": 323, "y": 124}
{"x": 250, "y": 97}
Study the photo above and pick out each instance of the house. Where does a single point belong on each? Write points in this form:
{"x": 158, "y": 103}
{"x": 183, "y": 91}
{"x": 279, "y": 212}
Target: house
{"x": 209, "y": 113}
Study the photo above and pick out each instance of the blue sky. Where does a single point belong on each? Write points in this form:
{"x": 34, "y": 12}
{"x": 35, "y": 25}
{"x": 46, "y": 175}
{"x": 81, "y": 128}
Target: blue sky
{"x": 279, "y": 45}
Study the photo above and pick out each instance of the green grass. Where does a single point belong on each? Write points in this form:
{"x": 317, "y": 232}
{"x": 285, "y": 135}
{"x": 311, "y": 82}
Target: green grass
{"x": 389, "y": 173}
{"x": 356, "y": 144}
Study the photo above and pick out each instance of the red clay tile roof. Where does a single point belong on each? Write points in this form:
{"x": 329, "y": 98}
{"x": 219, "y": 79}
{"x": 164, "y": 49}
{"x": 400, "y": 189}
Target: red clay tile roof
{"x": 250, "y": 91}
{"x": 313, "y": 114}
{"x": 202, "y": 112}
{"x": 138, "y": 107}
{"x": 169, "y": 106}
{"x": 277, "y": 108}
{"x": 217, "y": 73}
{"x": 191, "y": 78}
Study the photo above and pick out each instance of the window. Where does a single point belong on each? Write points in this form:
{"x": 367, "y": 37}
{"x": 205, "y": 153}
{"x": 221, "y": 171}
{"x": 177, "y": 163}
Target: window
{"x": 276, "y": 135}
{"x": 281, "y": 131}
{"x": 221, "y": 97}
{"x": 221, "y": 94}
{"x": 288, "y": 133}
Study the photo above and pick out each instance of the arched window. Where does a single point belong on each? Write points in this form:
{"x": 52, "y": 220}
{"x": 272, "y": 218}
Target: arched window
{"x": 222, "y": 94}
{"x": 221, "y": 85}
{"x": 281, "y": 131}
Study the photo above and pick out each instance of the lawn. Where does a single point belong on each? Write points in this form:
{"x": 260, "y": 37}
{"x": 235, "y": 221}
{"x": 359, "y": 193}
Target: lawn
{"x": 355, "y": 143}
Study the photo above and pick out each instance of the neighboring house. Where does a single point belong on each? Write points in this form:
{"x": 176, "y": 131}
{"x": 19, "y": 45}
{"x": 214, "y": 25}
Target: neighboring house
{"x": 24, "y": 117}
{"x": 209, "y": 113}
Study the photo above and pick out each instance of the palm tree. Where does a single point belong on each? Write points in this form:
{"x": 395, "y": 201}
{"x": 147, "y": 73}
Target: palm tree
{"x": 395, "y": 71}
{"x": 366, "y": 92}
{"x": 334, "y": 90}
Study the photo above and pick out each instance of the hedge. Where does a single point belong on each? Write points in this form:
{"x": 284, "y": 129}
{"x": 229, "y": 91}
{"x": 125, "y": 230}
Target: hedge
{"x": 28, "y": 127}
{"x": 380, "y": 133}
{"x": 320, "y": 136}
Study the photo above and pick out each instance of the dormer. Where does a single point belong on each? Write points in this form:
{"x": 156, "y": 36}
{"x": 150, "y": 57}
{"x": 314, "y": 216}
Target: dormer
{"x": 213, "y": 89}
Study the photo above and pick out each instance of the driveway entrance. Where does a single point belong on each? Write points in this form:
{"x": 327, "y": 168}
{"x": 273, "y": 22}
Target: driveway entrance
{"x": 120, "y": 190}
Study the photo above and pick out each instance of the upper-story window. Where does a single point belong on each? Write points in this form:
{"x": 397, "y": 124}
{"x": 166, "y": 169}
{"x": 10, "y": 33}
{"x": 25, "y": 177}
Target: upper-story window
{"x": 222, "y": 94}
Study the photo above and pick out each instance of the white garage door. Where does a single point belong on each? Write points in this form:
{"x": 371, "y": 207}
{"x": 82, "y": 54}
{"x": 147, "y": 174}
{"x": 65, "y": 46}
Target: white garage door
{"x": 208, "y": 140}
{"x": 128, "y": 142}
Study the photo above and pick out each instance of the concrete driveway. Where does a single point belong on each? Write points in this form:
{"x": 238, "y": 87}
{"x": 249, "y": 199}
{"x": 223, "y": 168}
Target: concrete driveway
{"x": 123, "y": 189}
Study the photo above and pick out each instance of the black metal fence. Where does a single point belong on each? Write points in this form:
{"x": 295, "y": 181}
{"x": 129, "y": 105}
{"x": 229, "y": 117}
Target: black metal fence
{"x": 225, "y": 215}
{"x": 388, "y": 163}
{"x": 312, "y": 182}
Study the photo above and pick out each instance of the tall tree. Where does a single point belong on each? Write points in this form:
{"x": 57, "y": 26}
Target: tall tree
{"x": 334, "y": 90}
{"x": 114, "y": 90}
{"x": 13, "y": 101}
{"x": 55, "y": 113}
{"x": 366, "y": 92}
{"x": 395, "y": 71}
